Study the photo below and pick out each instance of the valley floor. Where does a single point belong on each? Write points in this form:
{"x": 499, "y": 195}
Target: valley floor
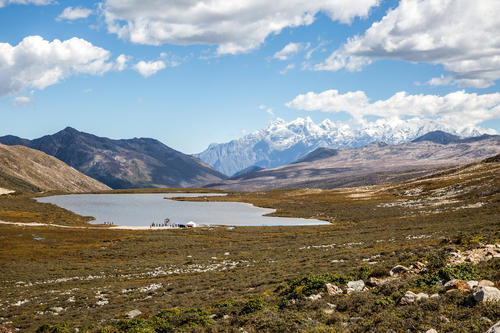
{"x": 260, "y": 278}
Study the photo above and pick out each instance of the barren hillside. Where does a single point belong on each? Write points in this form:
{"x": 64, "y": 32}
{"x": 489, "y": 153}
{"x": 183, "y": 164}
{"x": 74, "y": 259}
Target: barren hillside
{"x": 26, "y": 169}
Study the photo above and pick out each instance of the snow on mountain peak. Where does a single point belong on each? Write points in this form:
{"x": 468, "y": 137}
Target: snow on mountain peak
{"x": 284, "y": 142}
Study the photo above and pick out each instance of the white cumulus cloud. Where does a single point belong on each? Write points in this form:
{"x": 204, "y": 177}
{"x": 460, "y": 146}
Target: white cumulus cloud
{"x": 38, "y": 63}
{"x": 458, "y": 109}
{"x": 70, "y": 13}
{"x": 22, "y": 101}
{"x": 268, "y": 110}
{"x": 149, "y": 68}
{"x": 289, "y": 50}
{"x": 25, "y": 2}
{"x": 287, "y": 68}
{"x": 461, "y": 35}
{"x": 234, "y": 26}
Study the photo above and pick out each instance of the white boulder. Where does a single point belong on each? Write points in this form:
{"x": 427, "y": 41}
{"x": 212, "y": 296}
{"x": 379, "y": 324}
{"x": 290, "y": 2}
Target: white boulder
{"x": 358, "y": 285}
{"x": 487, "y": 294}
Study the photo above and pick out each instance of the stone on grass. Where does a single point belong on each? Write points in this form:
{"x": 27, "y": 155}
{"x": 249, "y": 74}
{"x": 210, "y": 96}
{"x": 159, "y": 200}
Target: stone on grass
{"x": 431, "y": 331}
{"x": 473, "y": 283}
{"x": 398, "y": 269}
{"x": 133, "y": 313}
{"x": 358, "y": 285}
{"x": 410, "y": 297}
{"x": 457, "y": 285}
{"x": 495, "y": 328}
{"x": 333, "y": 289}
{"x": 487, "y": 294}
{"x": 418, "y": 267}
{"x": 314, "y": 297}
{"x": 57, "y": 309}
{"x": 373, "y": 281}
{"x": 485, "y": 283}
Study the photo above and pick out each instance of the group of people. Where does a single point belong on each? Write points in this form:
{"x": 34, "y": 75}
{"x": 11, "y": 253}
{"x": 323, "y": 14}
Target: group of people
{"x": 153, "y": 225}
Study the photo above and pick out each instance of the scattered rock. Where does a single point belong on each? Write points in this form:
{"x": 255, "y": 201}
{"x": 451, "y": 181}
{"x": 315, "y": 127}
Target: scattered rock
{"x": 487, "y": 294}
{"x": 5, "y": 329}
{"x": 457, "y": 285}
{"x": 495, "y": 328}
{"x": 314, "y": 297}
{"x": 485, "y": 253}
{"x": 486, "y": 319}
{"x": 417, "y": 267}
{"x": 431, "y": 331}
{"x": 333, "y": 289}
{"x": 225, "y": 316}
{"x": 473, "y": 284}
{"x": 373, "y": 281}
{"x": 410, "y": 297}
{"x": 358, "y": 285}
{"x": 133, "y": 313}
{"x": 485, "y": 283}
{"x": 331, "y": 306}
{"x": 444, "y": 319}
{"x": 328, "y": 311}
{"x": 57, "y": 309}
{"x": 398, "y": 269}
{"x": 434, "y": 296}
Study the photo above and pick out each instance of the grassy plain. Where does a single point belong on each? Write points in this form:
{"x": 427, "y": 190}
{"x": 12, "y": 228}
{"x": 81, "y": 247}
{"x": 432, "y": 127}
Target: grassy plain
{"x": 221, "y": 279}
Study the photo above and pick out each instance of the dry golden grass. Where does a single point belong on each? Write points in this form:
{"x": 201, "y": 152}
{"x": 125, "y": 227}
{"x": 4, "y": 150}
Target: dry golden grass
{"x": 80, "y": 269}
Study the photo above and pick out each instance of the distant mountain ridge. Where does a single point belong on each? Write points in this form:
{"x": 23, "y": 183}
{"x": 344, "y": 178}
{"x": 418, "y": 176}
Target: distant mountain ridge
{"x": 28, "y": 170}
{"x": 284, "y": 142}
{"x": 318, "y": 154}
{"x": 126, "y": 163}
{"x": 369, "y": 165}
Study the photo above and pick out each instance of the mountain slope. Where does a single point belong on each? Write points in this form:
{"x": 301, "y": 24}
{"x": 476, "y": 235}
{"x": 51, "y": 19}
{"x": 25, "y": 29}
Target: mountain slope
{"x": 246, "y": 171}
{"x": 29, "y": 170}
{"x": 368, "y": 165}
{"x": 318, "y": 154}
{"x": 438, "y": 137}
{"x": 284, "y": 142}
{"x": 133, "y": 163}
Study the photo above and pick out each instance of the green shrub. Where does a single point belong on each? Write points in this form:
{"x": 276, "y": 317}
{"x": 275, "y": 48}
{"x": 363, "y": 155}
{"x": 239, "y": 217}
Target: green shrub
{"x": 181, "y": 318}
{"x": 312, "y": 284}
{"x": 133, "y": 326}
{"x": 49, "y": 328}
{"x": 253, "y": 305}
{"x": 464, "y": 271}
{"x": 384, "y": 301}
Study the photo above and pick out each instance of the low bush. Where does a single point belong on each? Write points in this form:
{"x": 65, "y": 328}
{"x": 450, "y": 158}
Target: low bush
{"x": 253, "y": 305}
{"x": 49, "y": 328}
{"x": 313, "y": 284}
{"x": 464, "y": 271}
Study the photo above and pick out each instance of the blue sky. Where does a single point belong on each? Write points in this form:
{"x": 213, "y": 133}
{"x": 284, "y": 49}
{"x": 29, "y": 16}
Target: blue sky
{"x": 212, "y": 73}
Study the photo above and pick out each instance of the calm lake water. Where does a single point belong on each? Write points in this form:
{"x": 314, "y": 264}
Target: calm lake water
{"x": 143, "y": 209}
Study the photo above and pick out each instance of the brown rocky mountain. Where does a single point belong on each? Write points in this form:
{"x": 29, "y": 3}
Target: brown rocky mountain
{"x": 30, "y": 170}
{"x": 128, "y": 163}
{"x": 368, "y": 165}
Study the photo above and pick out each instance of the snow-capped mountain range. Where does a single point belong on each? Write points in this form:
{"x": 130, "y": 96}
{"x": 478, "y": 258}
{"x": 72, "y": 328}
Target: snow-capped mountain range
{"x": 284, "y": 142}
